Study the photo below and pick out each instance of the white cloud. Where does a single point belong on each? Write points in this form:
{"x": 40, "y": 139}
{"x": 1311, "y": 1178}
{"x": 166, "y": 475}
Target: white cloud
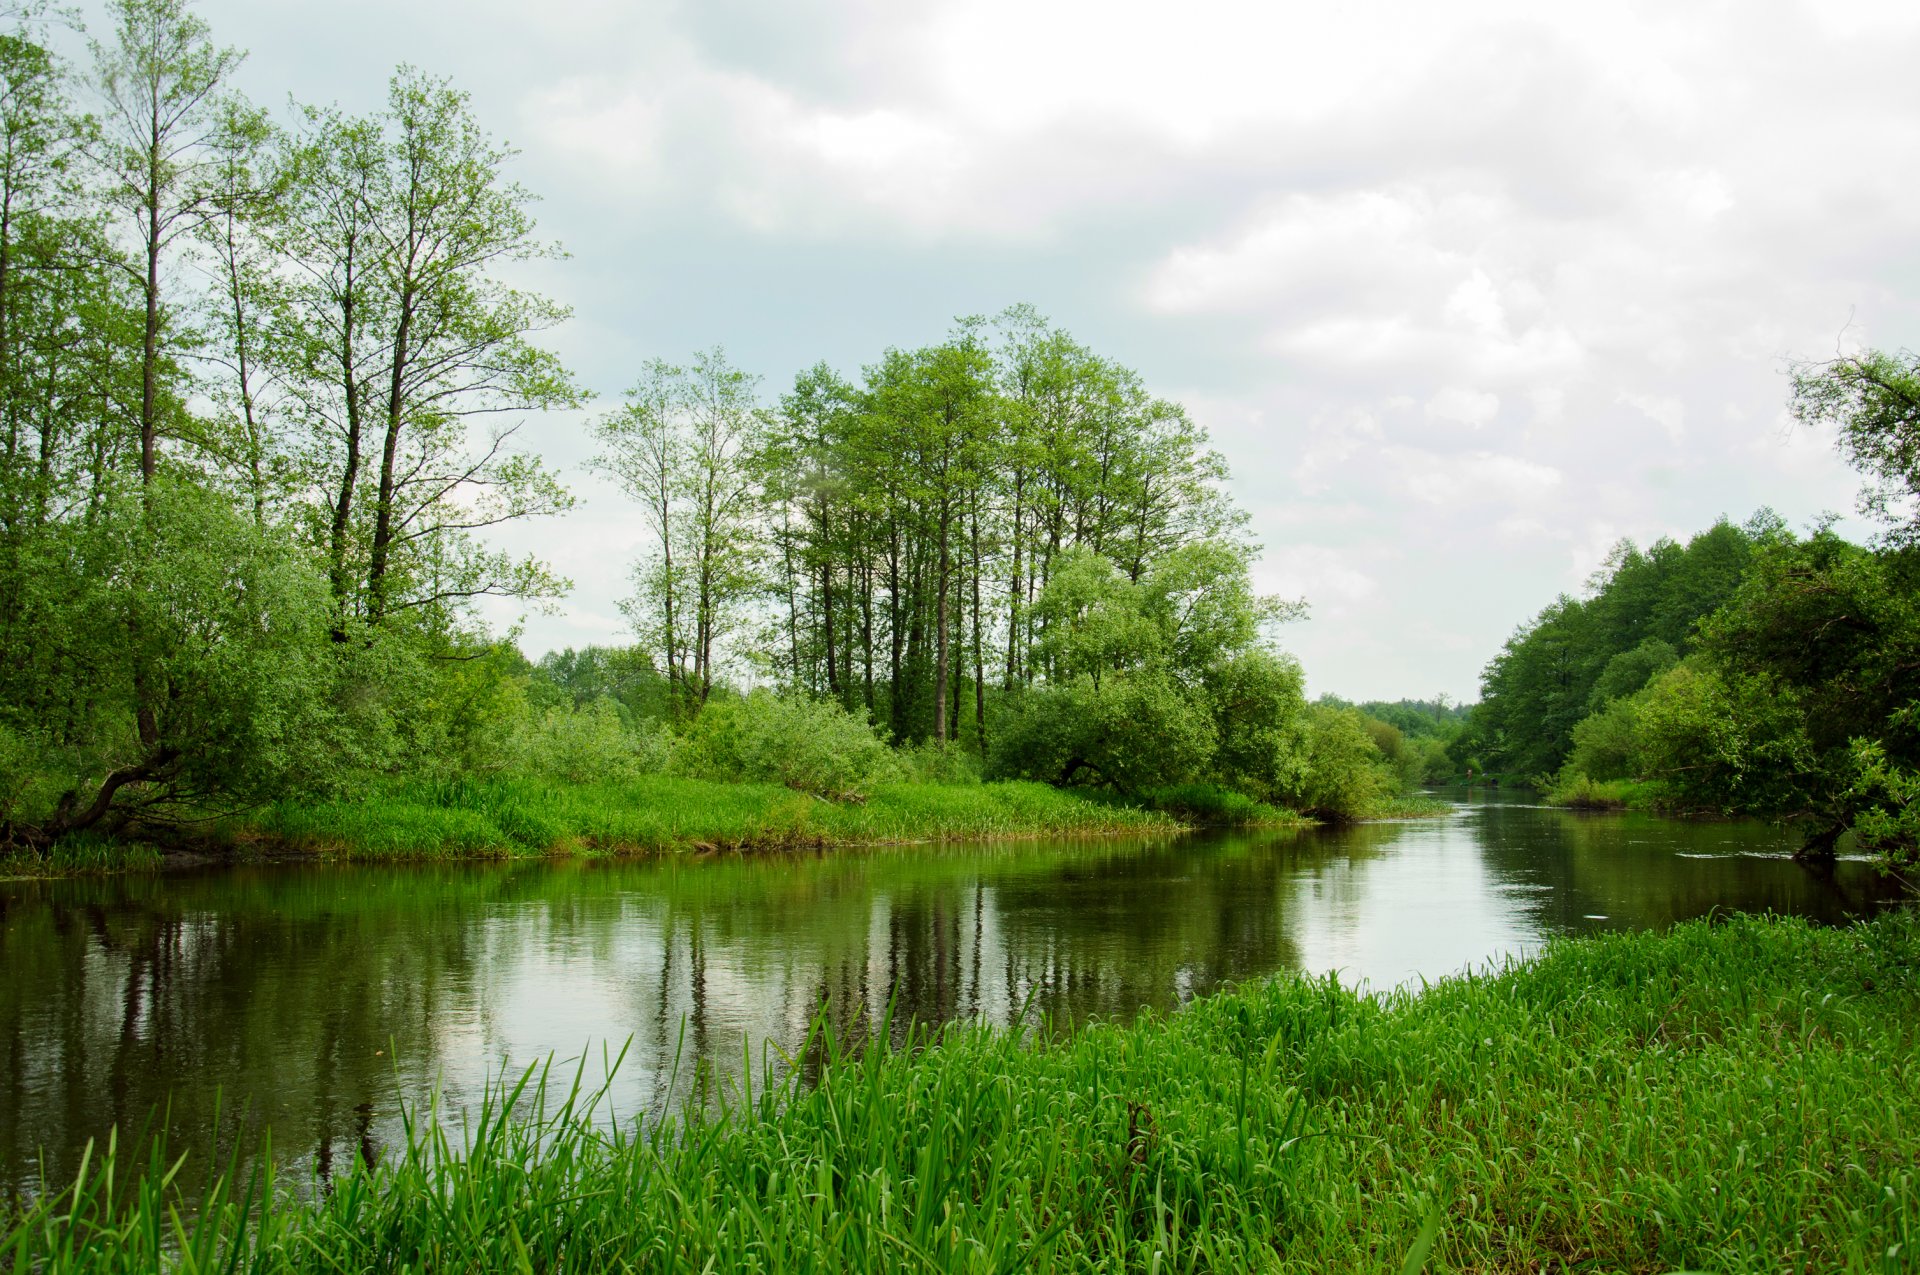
{"x": 1474, "y": 408}
{"x": 1669, "y": 413}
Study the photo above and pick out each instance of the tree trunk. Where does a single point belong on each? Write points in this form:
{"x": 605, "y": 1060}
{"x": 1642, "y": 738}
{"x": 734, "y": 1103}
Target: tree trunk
{"x": 383, "y": 524}
{"x": 940, "y": 671}
{"x": 979, "y": 662}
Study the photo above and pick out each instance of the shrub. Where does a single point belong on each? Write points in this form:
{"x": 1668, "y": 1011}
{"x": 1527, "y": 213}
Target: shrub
{"x": 928, "y": 763}
{"x": 1259, "y": 719}
{"x": 1606, "y": 743}
{"x": 1725, "y": 741}
{"x": 1342, "y": 775}
{"x": 588, "y": 744}
{"x": 812, "y": 746}
{"x": 1128, "y": 733}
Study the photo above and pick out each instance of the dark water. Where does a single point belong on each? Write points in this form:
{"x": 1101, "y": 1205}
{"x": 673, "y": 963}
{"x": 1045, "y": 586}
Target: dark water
{"x": 315, "y": 998}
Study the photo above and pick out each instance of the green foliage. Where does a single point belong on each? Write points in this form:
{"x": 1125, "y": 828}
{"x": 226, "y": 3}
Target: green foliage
{"x": 185, "y": 650}
{"x": 504, "y": 816}
{"x": 929, "y": 763}
{"x": 1607, "y": 743}
{"x": 1576, "y": 791}
{"x": 1630, "y": 671}
{"x": 590, "y": 743}
{"x": 808, "y": 745}
{"x": 1726, "y": 742}
{"x": 1873, "y": 401}
{"x": 1130, "y": 733}
{"x": 1735, "y": 1095}
{"x": 1644, "y": 606}
{"x": 1259, "y": 712}
{"x": 1885, "y": 797}
{"x": 1340, "y": 774}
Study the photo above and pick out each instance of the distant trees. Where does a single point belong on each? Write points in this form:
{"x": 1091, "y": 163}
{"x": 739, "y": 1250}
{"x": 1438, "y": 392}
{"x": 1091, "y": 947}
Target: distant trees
{"x": 1753, "y": 671}
{"x": 685, "y": 446}
{"x": 1580, "y": 653}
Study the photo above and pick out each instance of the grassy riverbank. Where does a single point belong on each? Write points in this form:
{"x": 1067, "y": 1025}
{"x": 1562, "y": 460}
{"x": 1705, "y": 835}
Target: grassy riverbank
{"x": 475, "y": 818}
{"x": 505, "y": 817}
{"x": 1736, "y": 1096}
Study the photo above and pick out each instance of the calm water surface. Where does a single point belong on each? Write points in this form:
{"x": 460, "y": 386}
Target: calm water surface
{"x": 314, "y": 999}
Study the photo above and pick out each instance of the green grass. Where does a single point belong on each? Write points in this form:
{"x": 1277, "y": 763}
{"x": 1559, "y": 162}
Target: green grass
{"x": 79, "y": 854}
{"x": 1735, "y": 1096}
{"x": 1411, "y": 805}
{"x": 1207, "y": 805}
{"x": 1577, "y": 792}
{"x": 504, "y": 816}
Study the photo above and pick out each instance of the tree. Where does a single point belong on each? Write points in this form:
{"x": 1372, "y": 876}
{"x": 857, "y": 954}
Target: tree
{"x": 169, "y": 588}
{"x": 683, "y": 446}
{"x": 1873, "y": 401}
{"x": 158, "y": 77}
{"x": 402, "y": 345}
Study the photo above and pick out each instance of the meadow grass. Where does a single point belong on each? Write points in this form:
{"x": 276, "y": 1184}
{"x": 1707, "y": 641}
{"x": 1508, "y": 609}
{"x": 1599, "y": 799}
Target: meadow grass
{"x": 1738, "y": 1095}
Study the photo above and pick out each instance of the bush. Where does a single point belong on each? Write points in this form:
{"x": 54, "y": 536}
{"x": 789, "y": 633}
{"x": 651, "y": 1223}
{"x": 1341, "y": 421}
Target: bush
{"x": 1342, "y": 775}
{"x": 1724, "y": 741}
{"x": 1606, "y": 743}
{"x": 928, "y": 763}
{"x": 812, "y": 746}
{"x": 588, "y": 744}
{"x": 1259, "y": 719}
{"x": 1128, "y": 733}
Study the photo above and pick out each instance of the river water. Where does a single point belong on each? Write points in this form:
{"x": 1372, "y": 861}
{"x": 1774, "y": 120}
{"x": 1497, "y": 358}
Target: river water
{"x": 314, "y": 1000}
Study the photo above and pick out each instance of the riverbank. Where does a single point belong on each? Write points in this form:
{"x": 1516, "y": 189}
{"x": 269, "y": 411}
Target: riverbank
{"x": 505, "y": 817}
{"x": 1734, "y": 1096}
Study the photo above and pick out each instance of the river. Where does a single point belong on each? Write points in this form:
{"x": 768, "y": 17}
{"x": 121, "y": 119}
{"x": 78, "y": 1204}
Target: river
{"x": 314, "y": 999}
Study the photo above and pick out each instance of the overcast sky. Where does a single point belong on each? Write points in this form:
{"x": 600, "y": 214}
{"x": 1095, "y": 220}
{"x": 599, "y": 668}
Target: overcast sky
{"x": 1465, "y": 292}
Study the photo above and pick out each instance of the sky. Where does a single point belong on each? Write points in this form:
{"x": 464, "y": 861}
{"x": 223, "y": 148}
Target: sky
{"x": 1464, "y": 292}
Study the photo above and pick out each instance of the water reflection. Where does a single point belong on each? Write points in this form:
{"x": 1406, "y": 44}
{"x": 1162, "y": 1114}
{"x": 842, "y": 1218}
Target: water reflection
{"x": 309, "y": 999}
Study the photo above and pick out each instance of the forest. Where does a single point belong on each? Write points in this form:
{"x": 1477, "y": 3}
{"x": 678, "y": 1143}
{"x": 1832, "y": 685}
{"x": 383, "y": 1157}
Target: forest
{"x": 266, "y": 387}
{"x": 1752, "y": 670}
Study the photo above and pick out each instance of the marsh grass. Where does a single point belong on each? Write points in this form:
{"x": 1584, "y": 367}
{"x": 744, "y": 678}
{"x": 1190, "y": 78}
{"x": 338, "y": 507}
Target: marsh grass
{"x": 1741, "y": 1095}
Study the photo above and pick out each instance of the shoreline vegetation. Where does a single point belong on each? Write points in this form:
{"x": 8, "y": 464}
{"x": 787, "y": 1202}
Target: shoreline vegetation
{"x": 508, "y": 817}
{"x": 1735, "y": 1094}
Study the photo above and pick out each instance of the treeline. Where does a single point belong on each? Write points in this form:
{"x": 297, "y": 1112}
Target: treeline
{"x": 260, "y": 377}
{"x": 1751, "y": 670}
{"x": 884, "y": 541}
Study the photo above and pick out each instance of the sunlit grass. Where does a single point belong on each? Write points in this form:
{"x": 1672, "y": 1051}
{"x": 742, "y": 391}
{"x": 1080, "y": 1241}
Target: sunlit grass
{"x": 1734, "y": 1096}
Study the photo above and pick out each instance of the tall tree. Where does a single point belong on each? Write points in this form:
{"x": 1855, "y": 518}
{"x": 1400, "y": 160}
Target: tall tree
{"x": 684, "y": 446}
{"x": 158, "y": 76}
{"x": 404, "y": 344}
